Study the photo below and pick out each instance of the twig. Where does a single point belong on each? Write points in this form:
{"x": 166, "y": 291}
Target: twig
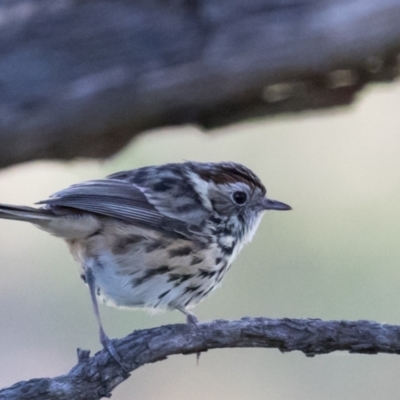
{"x": 95, "y": 377}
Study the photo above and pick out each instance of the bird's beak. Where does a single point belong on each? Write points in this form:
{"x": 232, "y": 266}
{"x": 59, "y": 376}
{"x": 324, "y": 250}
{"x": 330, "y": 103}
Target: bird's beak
{"x": 269, "y": 204}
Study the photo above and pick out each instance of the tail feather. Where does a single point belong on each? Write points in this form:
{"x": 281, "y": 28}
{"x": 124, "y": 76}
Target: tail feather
{"x": 23, "y": 213}
{"x": 67, "y": 224}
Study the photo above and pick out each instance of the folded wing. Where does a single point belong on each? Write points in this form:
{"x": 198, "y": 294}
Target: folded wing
{"x": 116, "y": 199}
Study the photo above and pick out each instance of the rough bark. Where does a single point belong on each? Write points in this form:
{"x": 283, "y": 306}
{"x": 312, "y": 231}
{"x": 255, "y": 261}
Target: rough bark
{"x": 95, "y": 377}
{"x": 81, "y": 78}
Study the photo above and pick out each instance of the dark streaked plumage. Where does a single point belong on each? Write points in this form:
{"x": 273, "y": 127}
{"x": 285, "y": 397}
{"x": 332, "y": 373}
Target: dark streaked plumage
{"x": 159, "y": 237}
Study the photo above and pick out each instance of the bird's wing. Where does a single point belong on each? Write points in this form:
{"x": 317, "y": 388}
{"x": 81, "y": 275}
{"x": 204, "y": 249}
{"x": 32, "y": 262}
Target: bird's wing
{"x": 117, "y": 199}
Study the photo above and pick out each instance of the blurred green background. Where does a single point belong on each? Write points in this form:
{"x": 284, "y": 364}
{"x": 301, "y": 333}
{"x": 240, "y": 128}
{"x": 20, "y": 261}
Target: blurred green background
{"x": 335, "y": 256}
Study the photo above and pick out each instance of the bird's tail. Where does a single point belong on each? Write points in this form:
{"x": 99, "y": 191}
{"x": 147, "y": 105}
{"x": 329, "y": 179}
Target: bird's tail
{"x": 62, "y": 223}
{"x": 37, "y": 216}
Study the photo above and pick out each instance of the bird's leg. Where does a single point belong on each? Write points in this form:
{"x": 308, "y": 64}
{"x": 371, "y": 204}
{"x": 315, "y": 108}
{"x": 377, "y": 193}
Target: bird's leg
{"x": 104, "y": 339}
{"x": 191, "y": 319}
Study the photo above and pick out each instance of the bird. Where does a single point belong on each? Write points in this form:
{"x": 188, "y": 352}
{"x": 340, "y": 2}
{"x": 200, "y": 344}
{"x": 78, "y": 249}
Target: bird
{"x": 158, "y": 237}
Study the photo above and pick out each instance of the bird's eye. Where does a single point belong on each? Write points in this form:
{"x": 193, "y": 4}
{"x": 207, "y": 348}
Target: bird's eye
{"x": 239, "y": 197}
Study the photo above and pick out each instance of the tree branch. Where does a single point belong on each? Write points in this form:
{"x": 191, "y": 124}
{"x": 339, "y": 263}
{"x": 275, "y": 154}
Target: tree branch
{"x": 95, "y": 377}
{"x": 81, "y": 78}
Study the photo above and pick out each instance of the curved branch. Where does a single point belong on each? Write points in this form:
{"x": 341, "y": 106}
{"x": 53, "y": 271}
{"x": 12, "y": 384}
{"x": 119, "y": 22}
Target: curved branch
{"x": 81, "y": 78}
{"x": 95, "y": 377}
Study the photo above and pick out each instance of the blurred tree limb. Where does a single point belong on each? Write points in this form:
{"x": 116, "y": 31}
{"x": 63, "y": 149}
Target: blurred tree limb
{"x": 80, "y": 78}
{"x": 94, "y": 378}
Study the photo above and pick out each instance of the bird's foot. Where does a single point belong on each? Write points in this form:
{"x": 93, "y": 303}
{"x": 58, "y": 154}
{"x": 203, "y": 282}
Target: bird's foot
{"x": 192, "y": 320}
{"x": 109, "y": 346}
